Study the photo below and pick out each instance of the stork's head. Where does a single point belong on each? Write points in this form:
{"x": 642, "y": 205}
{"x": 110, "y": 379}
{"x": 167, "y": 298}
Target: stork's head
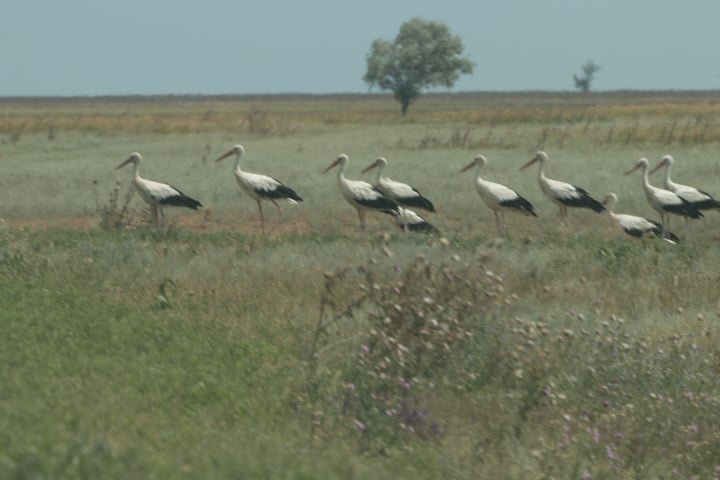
{"x": 380, "y": 162}
{"x": 134, "y": 158}
{"x": 609, "y": 201}
{"x": 342, "y": 159}
{"x": 540, "y": 156}
{"x": 642, "y": 163}
{"x": 665, "y": 161}
{"x": 238, "y": 150}
{"x": 479, "y": 160}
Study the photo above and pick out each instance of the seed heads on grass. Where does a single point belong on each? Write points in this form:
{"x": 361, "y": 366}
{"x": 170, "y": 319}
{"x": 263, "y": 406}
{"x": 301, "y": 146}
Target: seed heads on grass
{"x": 409, "y": 324}
{"x": 115, "y": 212}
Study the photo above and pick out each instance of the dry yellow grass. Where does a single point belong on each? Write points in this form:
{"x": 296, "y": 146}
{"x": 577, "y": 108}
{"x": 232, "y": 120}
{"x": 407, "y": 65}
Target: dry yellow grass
{"x": 285, "y": 114}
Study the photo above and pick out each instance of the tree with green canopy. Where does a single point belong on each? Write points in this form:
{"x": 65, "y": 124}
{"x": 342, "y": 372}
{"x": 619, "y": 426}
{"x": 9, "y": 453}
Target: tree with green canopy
{"x": 584, "y": 82}
{"x": 424, "y": 54}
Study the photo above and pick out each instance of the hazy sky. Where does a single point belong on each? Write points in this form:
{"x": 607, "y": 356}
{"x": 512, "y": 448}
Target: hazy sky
{"x": 99, "y": 47}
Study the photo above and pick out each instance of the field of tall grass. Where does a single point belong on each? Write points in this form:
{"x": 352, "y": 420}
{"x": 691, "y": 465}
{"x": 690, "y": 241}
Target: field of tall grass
{"x": 213, "y": 348}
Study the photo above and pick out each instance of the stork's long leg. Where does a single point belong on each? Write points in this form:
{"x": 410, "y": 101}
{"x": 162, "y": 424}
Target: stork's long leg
{"x": 154, "y": 216}
{"x": 262, "y": 217}
{"x": 497, "y": 222}
{"x": 361, "y": 212}
{"x": 563, "y": 215}
{"x": 280, "y": 210}
{"x": 663, "y": 220}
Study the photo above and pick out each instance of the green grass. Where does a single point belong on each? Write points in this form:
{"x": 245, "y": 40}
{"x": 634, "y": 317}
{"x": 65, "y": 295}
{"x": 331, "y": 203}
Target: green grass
{"x": 188, "y": 353}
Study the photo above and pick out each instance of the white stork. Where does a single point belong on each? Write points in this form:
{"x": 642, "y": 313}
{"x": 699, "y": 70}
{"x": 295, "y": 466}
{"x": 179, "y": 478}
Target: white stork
{"x": 699, "y": 199}
{"x": 359, "y": 194}
{"x": 260, "y": 187}
{"x": 157, "y": 194}
{"x": 401, "y": 193}
{"x": 409, "y": 221}
{"x": 634, "y": 225}
{"x": 496, "y": 196}
{"x": 563, "y": 194}
{"x": 664, "y": 201}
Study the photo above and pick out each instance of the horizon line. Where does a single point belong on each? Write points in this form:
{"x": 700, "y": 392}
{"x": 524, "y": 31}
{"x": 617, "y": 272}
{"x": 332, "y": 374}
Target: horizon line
{"x": 351, "y": 94}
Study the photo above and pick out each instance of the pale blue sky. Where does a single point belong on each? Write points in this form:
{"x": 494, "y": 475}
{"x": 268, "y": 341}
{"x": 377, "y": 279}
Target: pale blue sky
{"x": 99, "y": 47}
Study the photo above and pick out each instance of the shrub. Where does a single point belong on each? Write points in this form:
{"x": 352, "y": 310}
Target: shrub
{"x": 115, "y": 214}
{"x": 399, "y": 332}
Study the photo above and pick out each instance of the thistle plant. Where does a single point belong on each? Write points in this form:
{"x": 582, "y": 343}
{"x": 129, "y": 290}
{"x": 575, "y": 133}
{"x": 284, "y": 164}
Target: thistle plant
{"x": 399, "y": 332}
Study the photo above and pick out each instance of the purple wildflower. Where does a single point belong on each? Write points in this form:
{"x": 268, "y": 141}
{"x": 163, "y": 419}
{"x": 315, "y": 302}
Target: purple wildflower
{"x": 611, "y": 455}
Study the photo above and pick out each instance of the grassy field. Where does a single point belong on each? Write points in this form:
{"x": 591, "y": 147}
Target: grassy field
{"x": 312, "y": 350}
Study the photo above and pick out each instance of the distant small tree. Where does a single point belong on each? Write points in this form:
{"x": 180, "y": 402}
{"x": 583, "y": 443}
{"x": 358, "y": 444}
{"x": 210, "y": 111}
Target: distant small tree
{"x": 584, "y": 82}
{"x": 424, "y": 54}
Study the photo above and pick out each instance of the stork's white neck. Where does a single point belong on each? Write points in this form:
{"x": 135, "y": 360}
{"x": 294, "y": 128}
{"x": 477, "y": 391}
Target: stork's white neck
{"x": 341, "y": 170}
{"x": 238, "y": 157}
{"x": 646, "y": 178}
{"x": 478, "y": 173}
{"x": 610, "y": 207}
{"x": 541, "y": 170}
{"x": 381, "y": 167}
{"x": 668, "y": 181}
{"x": 136, "y": 169}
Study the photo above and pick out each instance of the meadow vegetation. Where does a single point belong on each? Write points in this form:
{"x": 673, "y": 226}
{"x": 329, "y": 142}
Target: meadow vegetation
{"x": 311, "y": 350}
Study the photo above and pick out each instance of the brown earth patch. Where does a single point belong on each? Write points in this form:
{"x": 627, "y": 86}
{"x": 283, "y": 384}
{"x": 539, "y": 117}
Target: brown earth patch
{"x": 274, "y": 226}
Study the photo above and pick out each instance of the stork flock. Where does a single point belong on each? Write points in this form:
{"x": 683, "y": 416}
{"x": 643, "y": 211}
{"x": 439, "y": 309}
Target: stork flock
{"x": 396, "y": 198}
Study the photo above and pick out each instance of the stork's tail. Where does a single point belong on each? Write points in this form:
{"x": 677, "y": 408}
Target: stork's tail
{"x": 289, "y": 193}
{"x": 594, "y": 204}
{"x": 686, "y": 208}
{"x": 417, "y": 202}
{"x": 388, "y": 206}
{"x": 181, "y": 200}
{"x": 521, "y": 204}
{"x": 671, "y": 237}
{"x": 423, "y": 227}
{"x": 668, "y": 236}
{"x": 710, "y": 204}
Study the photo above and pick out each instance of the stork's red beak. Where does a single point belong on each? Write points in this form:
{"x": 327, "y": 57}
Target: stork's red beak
{"x": 124, "y": 163}
{"x": 468, "y": 167}
{"x": 224, "y": 155}
{"x": 332, "y": 165}
{"x": 632, "y": 169}
{"x": 658, "y": 167}
{"x": 371, "y": 166}
{"x": 533, "y": 160}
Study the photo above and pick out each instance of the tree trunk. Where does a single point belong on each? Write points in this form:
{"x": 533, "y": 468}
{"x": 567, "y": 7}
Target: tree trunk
{"x": 404, "y": 104}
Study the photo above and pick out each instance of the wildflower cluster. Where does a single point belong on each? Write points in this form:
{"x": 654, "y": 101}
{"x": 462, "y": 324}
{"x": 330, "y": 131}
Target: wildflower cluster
{"x": 585, "y": 395}
{"x": 621, "y": 402}
{"x": 115, "y": 213}
{"x": 406, "y": 328}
